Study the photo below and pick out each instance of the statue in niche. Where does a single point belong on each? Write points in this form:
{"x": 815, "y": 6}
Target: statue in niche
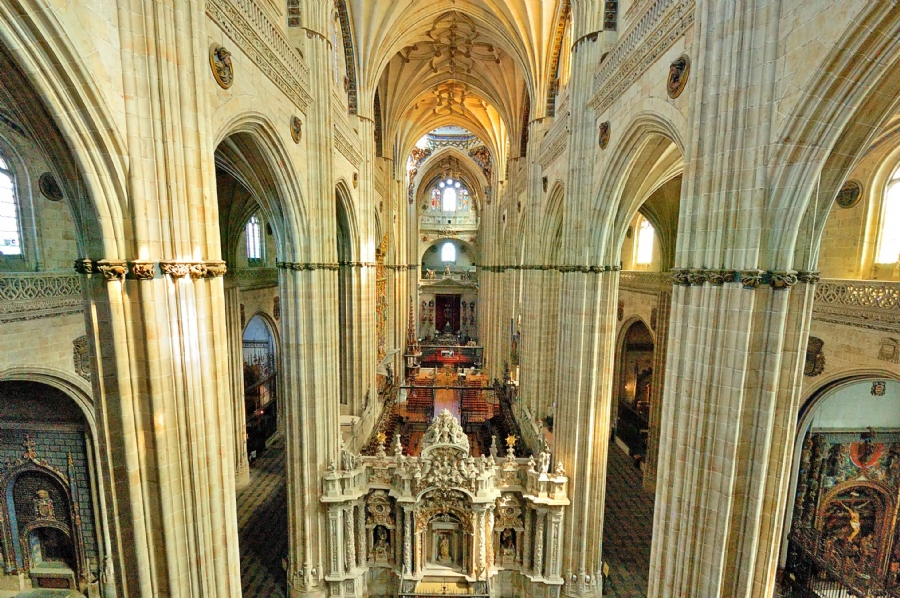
{"x": 382, "y": 547}
{"x": 507, "y": 543}
{"x": 444, "y": 550}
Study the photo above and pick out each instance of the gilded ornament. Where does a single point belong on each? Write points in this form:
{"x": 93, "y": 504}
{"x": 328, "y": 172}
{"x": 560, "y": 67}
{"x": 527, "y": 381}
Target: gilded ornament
{"x": 849, "y": 194}
{"x": 678, "y": 76}
{"x": 603, "y": 135}
{"x": 296, "y": 129}
{"x": 222, "y": 68}
{"x": 49, "y": 187}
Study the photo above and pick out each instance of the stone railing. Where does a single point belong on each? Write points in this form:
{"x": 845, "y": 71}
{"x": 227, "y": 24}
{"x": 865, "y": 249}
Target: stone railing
{"x": 864, "y": 304}
{"x": 30, "y": 295}
{"x": 646, "y": 282}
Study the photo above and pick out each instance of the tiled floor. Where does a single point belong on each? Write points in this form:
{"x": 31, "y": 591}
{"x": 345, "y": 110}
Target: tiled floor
{"x": 627, "y": 527}
{"x": 262, "y": 526}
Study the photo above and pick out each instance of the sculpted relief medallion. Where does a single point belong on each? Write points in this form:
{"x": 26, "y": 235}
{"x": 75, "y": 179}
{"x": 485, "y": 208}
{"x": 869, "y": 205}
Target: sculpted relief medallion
{"x": 296, "y": 129}
{"x": 222, "y": 69}
{"x": 678, "y": 76}
{"x": 603, "y": 135}
{"x": 849, "y": 194}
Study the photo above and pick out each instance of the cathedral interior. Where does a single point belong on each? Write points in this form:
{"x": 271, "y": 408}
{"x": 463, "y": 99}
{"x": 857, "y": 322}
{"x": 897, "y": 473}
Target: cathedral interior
{"x": 484, "y": 298}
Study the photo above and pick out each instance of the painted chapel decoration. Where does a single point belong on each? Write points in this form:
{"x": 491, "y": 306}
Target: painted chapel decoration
{"x": 846, "y": 503}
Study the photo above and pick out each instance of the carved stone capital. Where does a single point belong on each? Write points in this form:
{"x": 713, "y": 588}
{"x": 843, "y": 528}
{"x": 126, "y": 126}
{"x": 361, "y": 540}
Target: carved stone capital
{"x": 216, "y": 269}
{"x": 197, "y": 270}
{"x": 680, "y": 277}
{"x": 696, "y": 278}
{"x": 143, "y": 270}
{"x": 808, "y": 276}
{"x": 112, "y": 270}
{"x": 84, "y": 266}
{"x": 750, "y": 279}
{"x": 176, "y": 269}
{"x": 719, "y": 277}
{"x": 783, "y": 279}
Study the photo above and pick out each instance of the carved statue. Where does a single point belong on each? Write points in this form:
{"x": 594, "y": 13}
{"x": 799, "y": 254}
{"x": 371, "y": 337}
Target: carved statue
{"x": 430, "y": 274}
{"x": 444, "y": 550}
{"x": 382, "y": 544}
{"x": 545, "y": 462}
{"x": 531, "y": 465}
{"x": 223, "y": 71}
{"x": 560, "y": 471}
{"x": 507, "y": 543}
{"x": 855, "y": 524}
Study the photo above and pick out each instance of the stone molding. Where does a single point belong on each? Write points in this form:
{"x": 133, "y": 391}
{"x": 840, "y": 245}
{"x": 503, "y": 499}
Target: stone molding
{"x": 346, "y": 148}
{"x": 146, "y": 270}
{"x": 648, "y": 282}
{"x": 30, "y": 296}
{"x": 749, "y": 279}
{"x": 301, "y": 266}
{"x": 655, "y": 32}
{"x": 246, "y": 23}
{"x": 254, "y": 278}
{"x": 545, "y": 267}
{"x": 555, "y": 146}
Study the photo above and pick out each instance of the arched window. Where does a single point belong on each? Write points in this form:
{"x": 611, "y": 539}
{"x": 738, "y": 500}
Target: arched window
{"x": 449, "y": 191}
{"x": 448, "y": 252}
{"x": 10, "y": 237}
{"x": 254, "y": 240}
{"x": 889, "y": 239}
{"x": 644, "y": 253}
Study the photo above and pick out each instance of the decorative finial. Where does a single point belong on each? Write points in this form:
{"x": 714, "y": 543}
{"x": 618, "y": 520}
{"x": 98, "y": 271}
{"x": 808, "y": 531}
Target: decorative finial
{"x": 511, "y": 440}
{"x": 29, "y": 448}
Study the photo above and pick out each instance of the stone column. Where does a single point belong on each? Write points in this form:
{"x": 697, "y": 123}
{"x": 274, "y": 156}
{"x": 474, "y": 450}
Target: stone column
{"x": 236, "y": 378}
{"x": 717, "y": 530}
{"x": 361, "y": 540}
{"x": 588, "y": 283}
{"x": 554, "y": 539}
{"x": 660, "y": 354}
{"x": 349, "y": 542}
{"x": 526, "y": 550}
{"x": 334, "y": 541}
{"x": 408, "y": 541}
{"x": 538, "y": 568}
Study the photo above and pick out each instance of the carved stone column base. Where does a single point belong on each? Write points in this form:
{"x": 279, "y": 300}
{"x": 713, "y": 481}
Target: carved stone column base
{"x": 242, "y": 474}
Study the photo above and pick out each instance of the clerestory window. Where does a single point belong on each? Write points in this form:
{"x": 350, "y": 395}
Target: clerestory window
{"x": 889, "y": 237}
{"x": 254, "y": 241}
{"x": 448, "y": 252}
{"x": 644, "y": 253}
{"x": 10, "y": 235}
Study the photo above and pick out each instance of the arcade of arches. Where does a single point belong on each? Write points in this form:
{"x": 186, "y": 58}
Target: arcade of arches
{"x": 479, "y": 297}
